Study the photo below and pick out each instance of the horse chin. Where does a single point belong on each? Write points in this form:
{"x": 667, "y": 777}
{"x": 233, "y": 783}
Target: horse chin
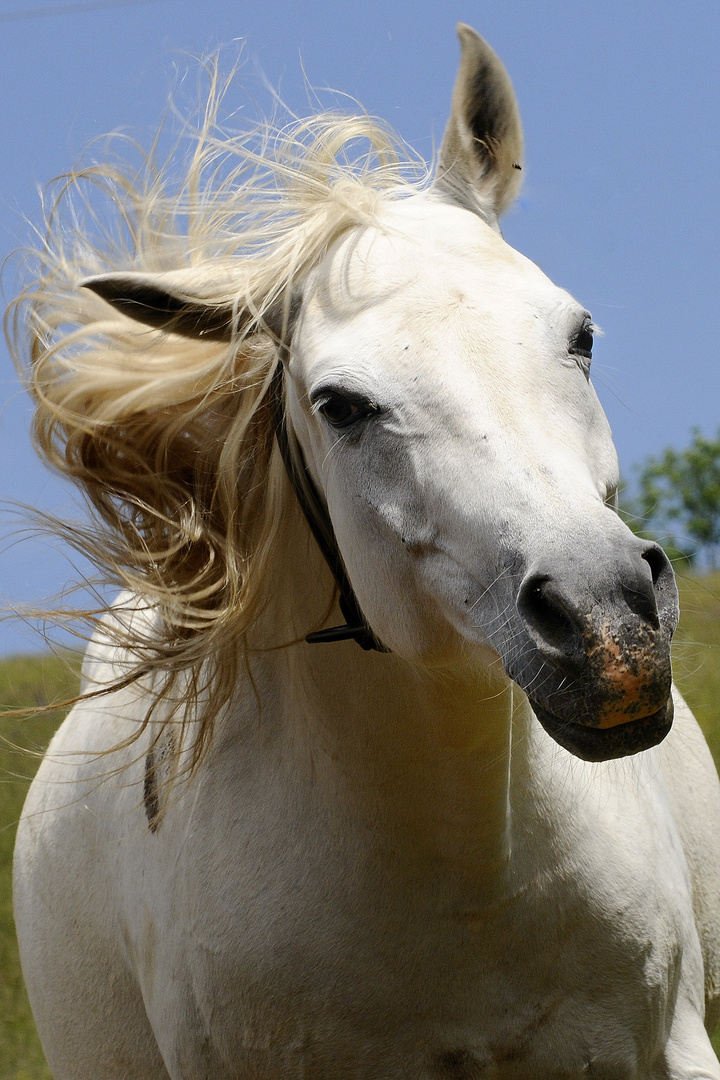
{"x": 602, "y": 744}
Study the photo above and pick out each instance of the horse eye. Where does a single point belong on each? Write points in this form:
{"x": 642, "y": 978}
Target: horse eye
{"x": 341, "y": 411}
{"x": 583, "y": 343}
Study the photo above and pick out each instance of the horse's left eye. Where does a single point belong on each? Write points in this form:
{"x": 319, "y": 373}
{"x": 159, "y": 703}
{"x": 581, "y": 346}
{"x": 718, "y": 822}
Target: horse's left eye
{"x": 583, "y": 343}
{"x": 341, "y": 411}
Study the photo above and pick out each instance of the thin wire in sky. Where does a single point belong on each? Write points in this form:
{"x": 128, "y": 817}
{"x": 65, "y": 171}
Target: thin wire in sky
{"x": 72, "y": 9}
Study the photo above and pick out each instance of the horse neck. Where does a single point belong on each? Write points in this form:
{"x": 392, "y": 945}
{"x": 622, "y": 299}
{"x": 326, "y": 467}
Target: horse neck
{"x": 423, "y": 754}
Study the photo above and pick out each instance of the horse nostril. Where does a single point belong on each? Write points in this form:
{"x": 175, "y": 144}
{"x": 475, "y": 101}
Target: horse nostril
{"x": 642, "y": 603}
{"x": 546, "y": 616}
{"x": 663, "y": 589}
{"x": 646, "y": 598}
{"x": 658, "y": 562}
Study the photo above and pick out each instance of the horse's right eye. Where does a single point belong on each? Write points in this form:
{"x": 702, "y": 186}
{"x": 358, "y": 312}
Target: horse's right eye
{"x": 341, "y": 411}
{"x": 583, "y": 343}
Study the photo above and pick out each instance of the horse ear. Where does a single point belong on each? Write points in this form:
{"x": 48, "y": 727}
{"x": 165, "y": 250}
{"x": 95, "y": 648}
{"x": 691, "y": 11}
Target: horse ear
{"x": 169, "y": 302}
{"x": 179, "y": 302}
{"x": 172, "y": 302}
{"x": 480, "y": 157}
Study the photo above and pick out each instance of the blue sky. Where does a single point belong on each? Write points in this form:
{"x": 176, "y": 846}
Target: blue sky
{"x": 620, "y": 103}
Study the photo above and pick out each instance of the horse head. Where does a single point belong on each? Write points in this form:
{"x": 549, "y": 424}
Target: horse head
{"x": 437, "y": 385}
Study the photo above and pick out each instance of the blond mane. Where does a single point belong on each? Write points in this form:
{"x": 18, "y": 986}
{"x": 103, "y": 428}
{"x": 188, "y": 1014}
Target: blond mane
{"x": 171, "y": 440}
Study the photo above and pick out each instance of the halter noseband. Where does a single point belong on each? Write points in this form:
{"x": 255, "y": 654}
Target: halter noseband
{"x": 316, "y": 515}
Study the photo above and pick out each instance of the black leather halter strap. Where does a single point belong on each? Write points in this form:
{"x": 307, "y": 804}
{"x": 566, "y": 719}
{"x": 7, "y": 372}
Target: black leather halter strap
{"x": 316, "y": 515}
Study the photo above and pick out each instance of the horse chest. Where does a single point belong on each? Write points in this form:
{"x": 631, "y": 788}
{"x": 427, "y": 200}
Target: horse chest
{"x": 432, "y": 1002}
{"x": 314, "y": 953}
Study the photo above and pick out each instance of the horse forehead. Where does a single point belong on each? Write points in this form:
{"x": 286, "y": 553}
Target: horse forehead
{"x": 443, "y": 263}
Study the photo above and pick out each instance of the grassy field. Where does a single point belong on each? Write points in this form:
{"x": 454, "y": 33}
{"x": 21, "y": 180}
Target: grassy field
{"x": 43, "y": 681}
{"x": 23, "y": 682}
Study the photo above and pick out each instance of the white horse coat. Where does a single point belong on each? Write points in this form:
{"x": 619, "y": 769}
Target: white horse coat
{"x": 385, "y": 866}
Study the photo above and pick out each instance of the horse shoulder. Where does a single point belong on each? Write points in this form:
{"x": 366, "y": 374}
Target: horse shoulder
{"x": 107, "y": 658}
{"x": 83, "y": 802}
{"x": 76, "y": 839}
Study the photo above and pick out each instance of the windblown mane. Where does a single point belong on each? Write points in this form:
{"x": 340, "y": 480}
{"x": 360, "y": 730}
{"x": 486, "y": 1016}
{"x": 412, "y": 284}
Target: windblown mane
{"x": 171, "y": 440}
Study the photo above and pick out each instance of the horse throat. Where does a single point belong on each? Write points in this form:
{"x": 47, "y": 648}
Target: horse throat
{"x": 423, "y": 761}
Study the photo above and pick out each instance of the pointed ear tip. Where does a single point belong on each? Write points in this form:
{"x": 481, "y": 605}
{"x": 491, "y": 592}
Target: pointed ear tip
{"x": 98, "y": 283}
{"x": 92, "y": 284}
{"x": 468, "y": 35}
{"x": 475, "y": 49}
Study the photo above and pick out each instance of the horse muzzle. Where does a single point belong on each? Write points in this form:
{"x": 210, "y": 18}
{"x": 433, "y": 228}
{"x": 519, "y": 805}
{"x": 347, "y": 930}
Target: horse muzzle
{"x": 592, "y": 651}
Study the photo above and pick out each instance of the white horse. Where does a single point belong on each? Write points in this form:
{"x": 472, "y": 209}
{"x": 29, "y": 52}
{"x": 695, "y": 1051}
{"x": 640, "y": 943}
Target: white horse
{"x": 471, "y": 848}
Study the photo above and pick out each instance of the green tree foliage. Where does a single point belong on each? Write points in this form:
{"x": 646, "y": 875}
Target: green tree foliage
{"x": 678, "y": 500}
